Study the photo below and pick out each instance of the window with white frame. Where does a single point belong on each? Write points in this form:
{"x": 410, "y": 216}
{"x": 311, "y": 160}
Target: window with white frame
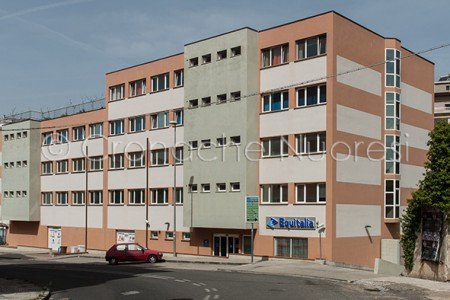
{"x": 137, "y": 124}
{"x": 311, "y": 95}
{"x": 193, "y": 103}
{"x": 275, "y": 55}
{"x": 19, "y": 164}
{"x": 78, "y": 133}
{"x": 179, "y": 156}
{"x": 95, "y": 197}
{"x": 206, "y": 188}
{"x": 116, "y": 197}
{"x": 136, "y": 159}
{"x": 235, "y": 140}
{"x": 193, "y": 145}
{"x": 160, "y": 157}
{"x": 274, "y": 193}
{"x": 235, "y": 96}
{"x": 393, "y": 58}
{"x": 62, "y": 166}
{"x": 221, "y": 142}
{"x": 116, "y": 127}
{"x": 313, "y": 46}
{"x": 221, "y": 54}
{"x": 159, "y": 196}
{"x": 77, "y": 198}
{"x": 61, "y": 198}
{"x": 275, "y": 101}
{"x": 186, "y": 236}
{"x": 221, "y": 187}
{"x": 116, "y": 161}
{"x": 193, "y": 62}
{"x": 179, "y": 117}
{"x": 307, "y": 143}
{"x": 160, "y": 82}
{"x": 222, "y": 98}
{"x": 179, "y": 78}
{"x": 275, "y": 146}
{"x": 235, "y": 51}
{"x": 169, "y": 235}
{"x": 160, "y": 120}
{"x": 392, "y": 156}
{"x": 310, "y": 193}
{"x": 392, "y": 199}
{"x": 206, "y": 59}
{"x": 24, "y": 163}
{"x": 137, "y": 88}
{"x": 392, "y": 111}
{"x": 96, "y": 130}
{"x": 179, "y": 196}
{"x": 235, "y": 186}
{"x": 78, "y": 165}
{"x": 206, "y": 101}
{"x": 96, "y": 163}
{"x": 47, "y": 198}
{"x": 62, "y": 136}
{"x": 117, "y": 92}
{"x": 19, "y": 135}
{"x": 206, "y": 144}
{"x": 47, "y": 168}
{"x": 193, "y": 188}
{"x": 154, "y": 235}
{"x": 24, "y": 193}
{"x": 136, "y": 197}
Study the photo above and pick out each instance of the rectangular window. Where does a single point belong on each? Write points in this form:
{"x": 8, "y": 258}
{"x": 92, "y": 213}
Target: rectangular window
{"x": 221, "y": 187}
{"x": 310, "y": 193}
{"x": 312, "y": 95}
{"x": 154, "y": 235}
{"x": 117, "y": 92}
{"x": 392, "y": 111}
{"x": 160, "y": 157}
{"x": 206, "y": 59}
{"x": 96, "y": 130}
{"x": 62, "y": 136}
{"x": 78, "y": 165}
{"x": 274, "y": 193}
{"x": 206, "y": 144}
{"x": 137, "y": 88}
{"x": 235, "y": 140}
{"x": 193, "y": 145}
{"x": 393, "y": 60}
{"x": 186, "y": 236}
{"x": 179, "y": 196}
{"x": 116, "y": 127}
{"x": 222, "y": 98}
{"x": 275, "y": 147}
{"x": 206, "y": 188}
{"x": 235, "y": 186}
{"x": 235, "y": 96}
{"x": 77, "y": 198}
{"x": 46, "y": 138}
{"x": 275, "y": 56}
{"x": 79, "y": 133}
{"x": 169, "y": 235}
{"x": 311, "y": 143}
{"x": 61, "y": 198}
{"x": 221, "y": 142}
{"x": 221, "y": 54}
{"x": 193, "y": 62}
{"x": 313, "y": 46}
{"x": 206, "y": 101}
{"x": 116, "y": 197}
{"x": 193, "y": 103}
{"x": 193, "y": 188}
{"x": 235, "y": 51}
{"x": 96, "y": 163}
{"x": 116, "y": 161}
{"x": 160, "y": 120}
{"x": 136, "y": 159}
{"x": 275, "y": 101}
{"x": 159, "y": 196}
{"x": 291, "y": 247}
{"x": 179, "y": 78}
{"x": 137, "y": 124}
{"x": 392, "y": 199}
{"x": 47, "y": 168}
{"x": 95, "y": 197}
{"x": 136, "y": 197}
{"x": 179, "y": 156}
{"x": 62, "y": 166}
{"x": 179, "y": 117}
{"x": 392, "y": 154}
{"x": 160, "y": 82}
{"x": 47, "y": 198}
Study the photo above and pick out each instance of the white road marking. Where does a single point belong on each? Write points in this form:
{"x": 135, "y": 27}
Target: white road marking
{"x": 196, "y": 284}
{"x": 207, "y": 297}
{"x": 129, "y": 293}
{"x": 214, "y": 289}
{"x": 216, "y": 297}
{"x": 179, "y": 280}
{"x": 207, "y": 290}
{"x": 201, "y": 283}
{"x": 187, "y": 280}
{"x": 157, "y": 277}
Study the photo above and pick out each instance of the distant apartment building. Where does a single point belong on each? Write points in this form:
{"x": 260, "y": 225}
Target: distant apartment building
{"x": 442, "y": 99}
{"x": 304, "y": 115}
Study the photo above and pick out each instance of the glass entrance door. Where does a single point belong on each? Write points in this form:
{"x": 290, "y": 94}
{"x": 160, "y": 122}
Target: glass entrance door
{"x": 225, "y": 245}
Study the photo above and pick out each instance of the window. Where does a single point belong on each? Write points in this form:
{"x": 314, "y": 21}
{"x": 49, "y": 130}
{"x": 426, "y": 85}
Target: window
{"x": 19, "y": 135}
{"x": 206, "y": 144}
{"x": 274, "y": 193}
{"x": 310, "y": 193}
{"x": 393, "y": 58}
{"x": 275, "y": 101}
{"x": 221, "y": 142}
{"x": 179, "y": 117}
{"x": 137, "y": 124}
{"x": 137, "y": 88}
{"x": 193, "y": 62}
{"x": 392, "y": 111}
{"x": 311, "y": 143}
{"x": 46, "y": 138}
{"x": 392, "y": 199}
{"x": 11, "y": 136}
{"x": 62, "y": 136}
{"x": 116, "y": 161}
{"x": 392, "y": 155}
{"x": 236, "y": 96}
{"x": 78, "y": 133}
{"x": 62, "y": 166}
{"x": 206, "y": 188}
{"x": 116, "y": 197}
{"x": 179, "y": 78}
{"x": 24, "y": 193}
{"x": 25, "y": 134}
{"x": 274, "y": 147}
{"x": 186, "y": 236}
{"x": 206, "y": 101}
{"x": 47, "y": 198}
{"x": 96, "y": 130}
{"x": 312, "y": 46}
{"x": 95, "y": 197}
{"x": 136, "y": 197}
{"x": 235, "y": 51}
{"x": 136, "y": 159}
{"x": 235, "y": 140}
{"x": 193, "y": 145}
{"x": 117, "y": 92}
{"x": 160, "y": 120}
{"x": 160, "y": 82}
{"x": 61, "y": 198}
{"x": 159, "y": 196}
{"x": 6, "y": 137}
{"x": 154, "y": 235}
{"x": 169, "y": 235}
{"x": 221, "y": 54}
{"x": 221, "y": 187}
{"x": 312, "y": 95}
{"x": 5, "y": 194}
{"x": 11, "y": 164}
{"x": 291, "y": 247}
{"x": 179, "y": 196}
{"x": 24, "y": 163}
{"x": 160, "y": 157}
{"x": 19, "y": 194}
{"x": 96, "y": 163}
{"x": 116, "y": 127}
{"x": 193, "y": 188}
{"x": 78, "y": 165}
{"x": 78, "y": 198}
{"x": 179, "y": 156}
{"x": 222, "y": 98}
{"x": 275, "y": 56}
{"x": 235, "y": 186}
{"x": 19, "y": 164}
{"x": 193, "y": 103}
{"x": 206, "y": 59}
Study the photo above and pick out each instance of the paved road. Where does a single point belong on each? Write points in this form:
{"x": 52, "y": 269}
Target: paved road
{"x": 95, "y": 280}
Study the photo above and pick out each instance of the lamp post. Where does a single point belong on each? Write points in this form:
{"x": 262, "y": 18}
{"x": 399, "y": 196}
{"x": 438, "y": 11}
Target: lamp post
{"x": 174, "y": 198}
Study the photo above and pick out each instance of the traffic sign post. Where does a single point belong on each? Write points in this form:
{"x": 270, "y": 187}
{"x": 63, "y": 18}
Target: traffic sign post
{"x": 251, "y": 215}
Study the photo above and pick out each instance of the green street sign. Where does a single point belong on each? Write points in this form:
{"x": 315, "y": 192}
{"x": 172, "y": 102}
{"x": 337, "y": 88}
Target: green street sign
{"x": 251, "y": 205}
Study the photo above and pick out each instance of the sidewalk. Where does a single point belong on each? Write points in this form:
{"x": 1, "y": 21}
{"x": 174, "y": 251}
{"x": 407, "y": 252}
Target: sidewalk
{"x": 21, "y": 290}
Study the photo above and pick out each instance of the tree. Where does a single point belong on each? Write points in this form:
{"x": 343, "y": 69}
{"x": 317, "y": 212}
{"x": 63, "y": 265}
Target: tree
{"x": 434, "y": 189}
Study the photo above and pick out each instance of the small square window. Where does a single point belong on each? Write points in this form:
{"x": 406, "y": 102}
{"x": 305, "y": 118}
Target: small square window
{"x": 221, "y": 187}
{"x": 235, "y": 186}
{"x": 6, "y": 194}
{"x": 221, "y": 98}
{"x": 19, "y": 164}
{"x": 6, "y": 137}
{"x": 193, "y": 188}
{"x": 24, "y": 163}
{"x": 206, "y": 101}
{"x": 193, "y": 62}
{"x": 206, "y": 59}
{"x": 24, "y": 193}
{"x": 6, "y": 165}
{"x": 235, "y": 140}
{"x": 19, "y": 135}
{"x": 186, "y": 236}
{"x": 236, "y": 96}
{"x": 206, "y": 144}
{"x": 193, "y": 145}
{"x": 236, "y": 51}
{"x": 19, "y": 193}
{"x": 206, "y": 188}
{"x": 193, "y": 103}
{"x": 154, "y": 235}
{"x": 221, "y": 142}
{"x": 11, "y": 136}
{"x": 24, "y": 134}
{"x": 221, "y": 54}
{"x": 169, "y": 235}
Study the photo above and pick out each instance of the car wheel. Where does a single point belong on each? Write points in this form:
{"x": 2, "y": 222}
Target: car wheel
{"x": 113, "y": 261}
{"x": 152, "y": 259}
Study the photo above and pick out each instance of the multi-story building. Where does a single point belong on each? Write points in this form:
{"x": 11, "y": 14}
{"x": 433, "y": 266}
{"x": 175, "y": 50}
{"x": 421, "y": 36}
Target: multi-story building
{"x": 442, "y": 99}
{"x": 321, "y": 118}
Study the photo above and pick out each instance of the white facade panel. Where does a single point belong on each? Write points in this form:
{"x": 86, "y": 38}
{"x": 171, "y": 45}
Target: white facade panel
{"x": 411, "y": 175}
{"x": 416, "y": 98}
{"x": 357, "y": 169}
{"x": 69, "y": 182}
{"x": 162, "y": 177}
{"x": 364, "y": 79}
{"x": 295, "y": 72}
{"x": 71, "y": 216}
{"x": 72, "y": 150}
{"x": 126, "y": 179}
{"x": 413, "y": 136}
{"x": 309, "y": 119}
{"x": 352, "y": 219}
{"x": 358, "y": 122}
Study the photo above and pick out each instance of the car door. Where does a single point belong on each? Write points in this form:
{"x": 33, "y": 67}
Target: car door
{"x": 121, "y": 252}
{"x": 134, "y": 252}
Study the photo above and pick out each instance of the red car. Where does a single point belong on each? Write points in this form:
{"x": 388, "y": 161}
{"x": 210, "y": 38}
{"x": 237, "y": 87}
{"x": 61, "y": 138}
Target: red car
{"x": 131, "y": 252}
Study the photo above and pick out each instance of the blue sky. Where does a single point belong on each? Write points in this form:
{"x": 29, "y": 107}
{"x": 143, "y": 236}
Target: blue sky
{"x": 56, "y": 52}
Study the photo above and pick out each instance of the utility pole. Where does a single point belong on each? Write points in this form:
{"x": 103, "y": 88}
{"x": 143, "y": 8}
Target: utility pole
{"x": 86, "y": 169}
{"x": 174, "y": 124}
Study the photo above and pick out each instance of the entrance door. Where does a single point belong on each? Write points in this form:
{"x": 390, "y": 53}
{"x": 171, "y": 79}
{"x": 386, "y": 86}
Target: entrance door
{"x": 225, "y": 245}
{"x": 2, "y": 235}
{"x": 54, "y": 238}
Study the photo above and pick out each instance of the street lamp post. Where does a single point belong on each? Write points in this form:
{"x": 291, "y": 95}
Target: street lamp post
{"x": 174, "y": 201}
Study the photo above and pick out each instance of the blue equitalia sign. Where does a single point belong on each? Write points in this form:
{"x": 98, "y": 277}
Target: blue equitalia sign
{"x": 301, "y": 223}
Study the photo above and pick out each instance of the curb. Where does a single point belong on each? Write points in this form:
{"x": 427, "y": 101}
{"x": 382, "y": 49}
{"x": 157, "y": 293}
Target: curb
{"x": 206, "y": 262}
